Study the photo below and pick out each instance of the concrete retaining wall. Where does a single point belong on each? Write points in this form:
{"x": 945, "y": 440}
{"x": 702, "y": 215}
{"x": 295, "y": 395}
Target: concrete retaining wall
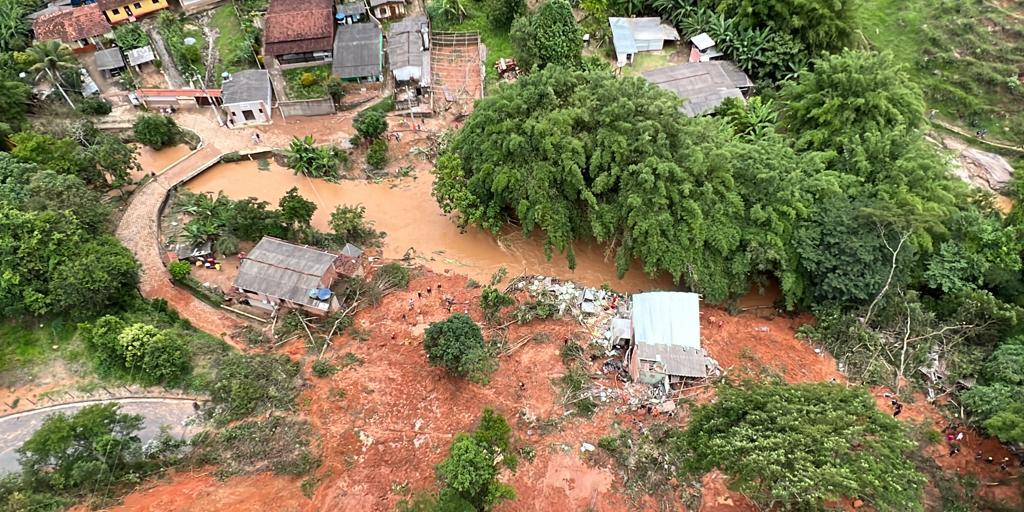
{"x": 317, "y": 107}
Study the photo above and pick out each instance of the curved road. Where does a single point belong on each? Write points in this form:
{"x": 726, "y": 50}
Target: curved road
{"x": 138, "y": 231}
{"x": 156, "y": 412}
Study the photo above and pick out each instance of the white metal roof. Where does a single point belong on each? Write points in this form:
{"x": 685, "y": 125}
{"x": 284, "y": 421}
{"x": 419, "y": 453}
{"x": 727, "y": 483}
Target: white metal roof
{"x": 702, "y": 41}
{"x": 667, "y": 318}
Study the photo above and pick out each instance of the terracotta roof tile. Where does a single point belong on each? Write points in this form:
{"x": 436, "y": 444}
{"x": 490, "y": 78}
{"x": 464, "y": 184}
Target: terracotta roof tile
{"x": 294, "y": 26}
{"x": 72, "y": 24}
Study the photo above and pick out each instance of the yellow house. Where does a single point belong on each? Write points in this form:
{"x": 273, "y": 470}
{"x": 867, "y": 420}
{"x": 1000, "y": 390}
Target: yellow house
{"x": 118, "y": 11}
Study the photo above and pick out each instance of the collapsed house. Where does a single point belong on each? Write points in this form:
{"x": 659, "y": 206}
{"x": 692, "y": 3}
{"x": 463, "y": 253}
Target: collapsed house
{"x": 665, "y": 347}
{"x": 279, "y": 274}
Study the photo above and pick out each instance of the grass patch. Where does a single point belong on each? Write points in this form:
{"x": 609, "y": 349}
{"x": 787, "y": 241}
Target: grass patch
{"x": 964, "y": 55}
{"x": 28, "y": 343}
{"x": 232, "y": 45}
{"x": 307, "y": 83}
{"x": 646, "y": 61}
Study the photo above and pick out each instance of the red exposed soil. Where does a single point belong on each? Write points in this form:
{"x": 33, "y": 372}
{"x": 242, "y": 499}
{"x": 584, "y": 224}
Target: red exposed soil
{"x": 396, "y": 417}
{"x": 202, "y": 492}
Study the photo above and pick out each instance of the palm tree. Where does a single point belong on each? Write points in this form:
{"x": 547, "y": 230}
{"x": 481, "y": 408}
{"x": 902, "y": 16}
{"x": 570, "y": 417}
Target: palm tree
{"x": 52, "y": 58}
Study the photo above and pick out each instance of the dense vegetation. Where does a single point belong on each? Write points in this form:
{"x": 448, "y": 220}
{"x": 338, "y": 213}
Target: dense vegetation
{"x": 800, "y": 446}
{"x": 71, "y": 457}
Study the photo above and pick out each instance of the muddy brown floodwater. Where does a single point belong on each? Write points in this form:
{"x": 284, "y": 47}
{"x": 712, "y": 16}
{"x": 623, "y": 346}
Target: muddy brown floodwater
{"x": 152, "y": 160}
{"x": 405, "y": 210}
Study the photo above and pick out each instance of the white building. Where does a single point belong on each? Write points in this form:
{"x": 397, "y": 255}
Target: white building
{"x": 246, "y": 98}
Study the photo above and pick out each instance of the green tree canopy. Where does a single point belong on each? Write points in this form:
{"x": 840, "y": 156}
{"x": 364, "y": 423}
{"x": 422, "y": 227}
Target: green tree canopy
{"x": 998, "y": 401}
{"x": 800, "y": 446}
{"x": 501, "y": 13}
{"x": 156, "y": 131}
{"x": 370, "y": 124}
{"x": 96, "y": 446}
{"x": 457, "y": 345}
{"x": 296, "y": 210}
{"x": 548, "y": 37}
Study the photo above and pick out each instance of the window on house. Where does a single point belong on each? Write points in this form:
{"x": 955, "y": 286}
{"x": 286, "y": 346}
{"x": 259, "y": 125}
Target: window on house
{"x": 249, "y": 116}
{"x": 156, "y": 1}
{"x": 138, "y": 5}
{"x": 115, "y": 11}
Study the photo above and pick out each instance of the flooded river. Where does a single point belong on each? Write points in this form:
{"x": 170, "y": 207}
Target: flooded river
{"x": 405, "y": 210}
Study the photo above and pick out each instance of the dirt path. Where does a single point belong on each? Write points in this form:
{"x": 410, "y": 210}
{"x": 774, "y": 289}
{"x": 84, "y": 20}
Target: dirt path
{"x": 1018, "y": 149}
{"x": 138, "y": 231}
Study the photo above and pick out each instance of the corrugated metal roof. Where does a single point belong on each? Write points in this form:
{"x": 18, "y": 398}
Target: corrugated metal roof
{"x": 702, "y": 85}
{"x": 670, "y": 318}
{"x": 351, "y": 251}
{"x": 357, "y": 51}
{"x": 626, "y": 31}
{"x": 142, "y": 55}
{"x": 408, "y": 59}
{"x": 109, "y": 59}
{"x": 283, "y": 270}
{"x": 676, "y": 360}
{"x": 622, "y": 35}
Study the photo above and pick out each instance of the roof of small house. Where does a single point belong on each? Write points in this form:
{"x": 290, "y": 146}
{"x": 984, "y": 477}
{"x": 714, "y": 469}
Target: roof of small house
{"x": 357, "y": 51}
{"x": 375, "y": 3}
{"x": 350, "y": 9}
{"x": 702, "y": 41}
{"x": 666, "y": 328}
{"x": 142, "y": 55}
{"x": 246, "y": 86}
{"x": 71, "y": 24}
{"x": 111, "y": 4}
{"x": 626, "y": 31}
{"x": 298, "y": 26}
{"x": 406, "y": 50}
{"x": 702, "y": 85}
{"x": 109, "y": 59}
{"x": 283, "y": 270}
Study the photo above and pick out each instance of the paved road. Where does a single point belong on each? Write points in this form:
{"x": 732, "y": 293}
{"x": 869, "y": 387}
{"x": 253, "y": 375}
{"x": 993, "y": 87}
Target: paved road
{"x": 18, "y": 428}
{"x": 138, "y": 231}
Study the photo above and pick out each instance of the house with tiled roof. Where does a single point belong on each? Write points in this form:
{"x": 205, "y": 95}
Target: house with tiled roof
{"x": 299, "y": 32}
{"x": 78, "y": 27}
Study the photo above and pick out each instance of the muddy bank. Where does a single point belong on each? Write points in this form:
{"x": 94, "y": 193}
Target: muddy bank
{"x": 405, "y": 210}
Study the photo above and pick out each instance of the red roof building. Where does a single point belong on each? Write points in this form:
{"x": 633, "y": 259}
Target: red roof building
{"x": 299, "y": 30}
{"x": 77, "y": 27}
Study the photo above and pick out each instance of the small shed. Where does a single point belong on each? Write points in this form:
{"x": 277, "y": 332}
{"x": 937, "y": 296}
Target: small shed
{"x": 110, "y": 61}
{"x": 702, "y": 85}
{"x": 666, "y": 338}
{"x": 704, "y": 49}
{"x": 139, "y": 56}
{"x": 276, "y": 273}
{"x": 357, "y": 52}
{"x": 246, "y": 98}
{"x": 633, "y": 35}
{"x": 191, "y": 251}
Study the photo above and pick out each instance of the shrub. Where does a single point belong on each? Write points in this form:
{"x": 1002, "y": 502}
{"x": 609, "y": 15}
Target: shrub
{"x": 335, "y": 88}
{"x": 180, "y": 270}
{"x": 377, "y": 156}
{"x": 303, "y": 155}
{"x": 93, "y": 107}
{"x": 307, "y": 79}
{"x": 457, "y": 345}
{"x": 323, "y": 368}
{"x": 156, "y": 131}
{"x": 370, "y": 124}
{"x": 492, "y": 301}
{"x": 130, "y": 36}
